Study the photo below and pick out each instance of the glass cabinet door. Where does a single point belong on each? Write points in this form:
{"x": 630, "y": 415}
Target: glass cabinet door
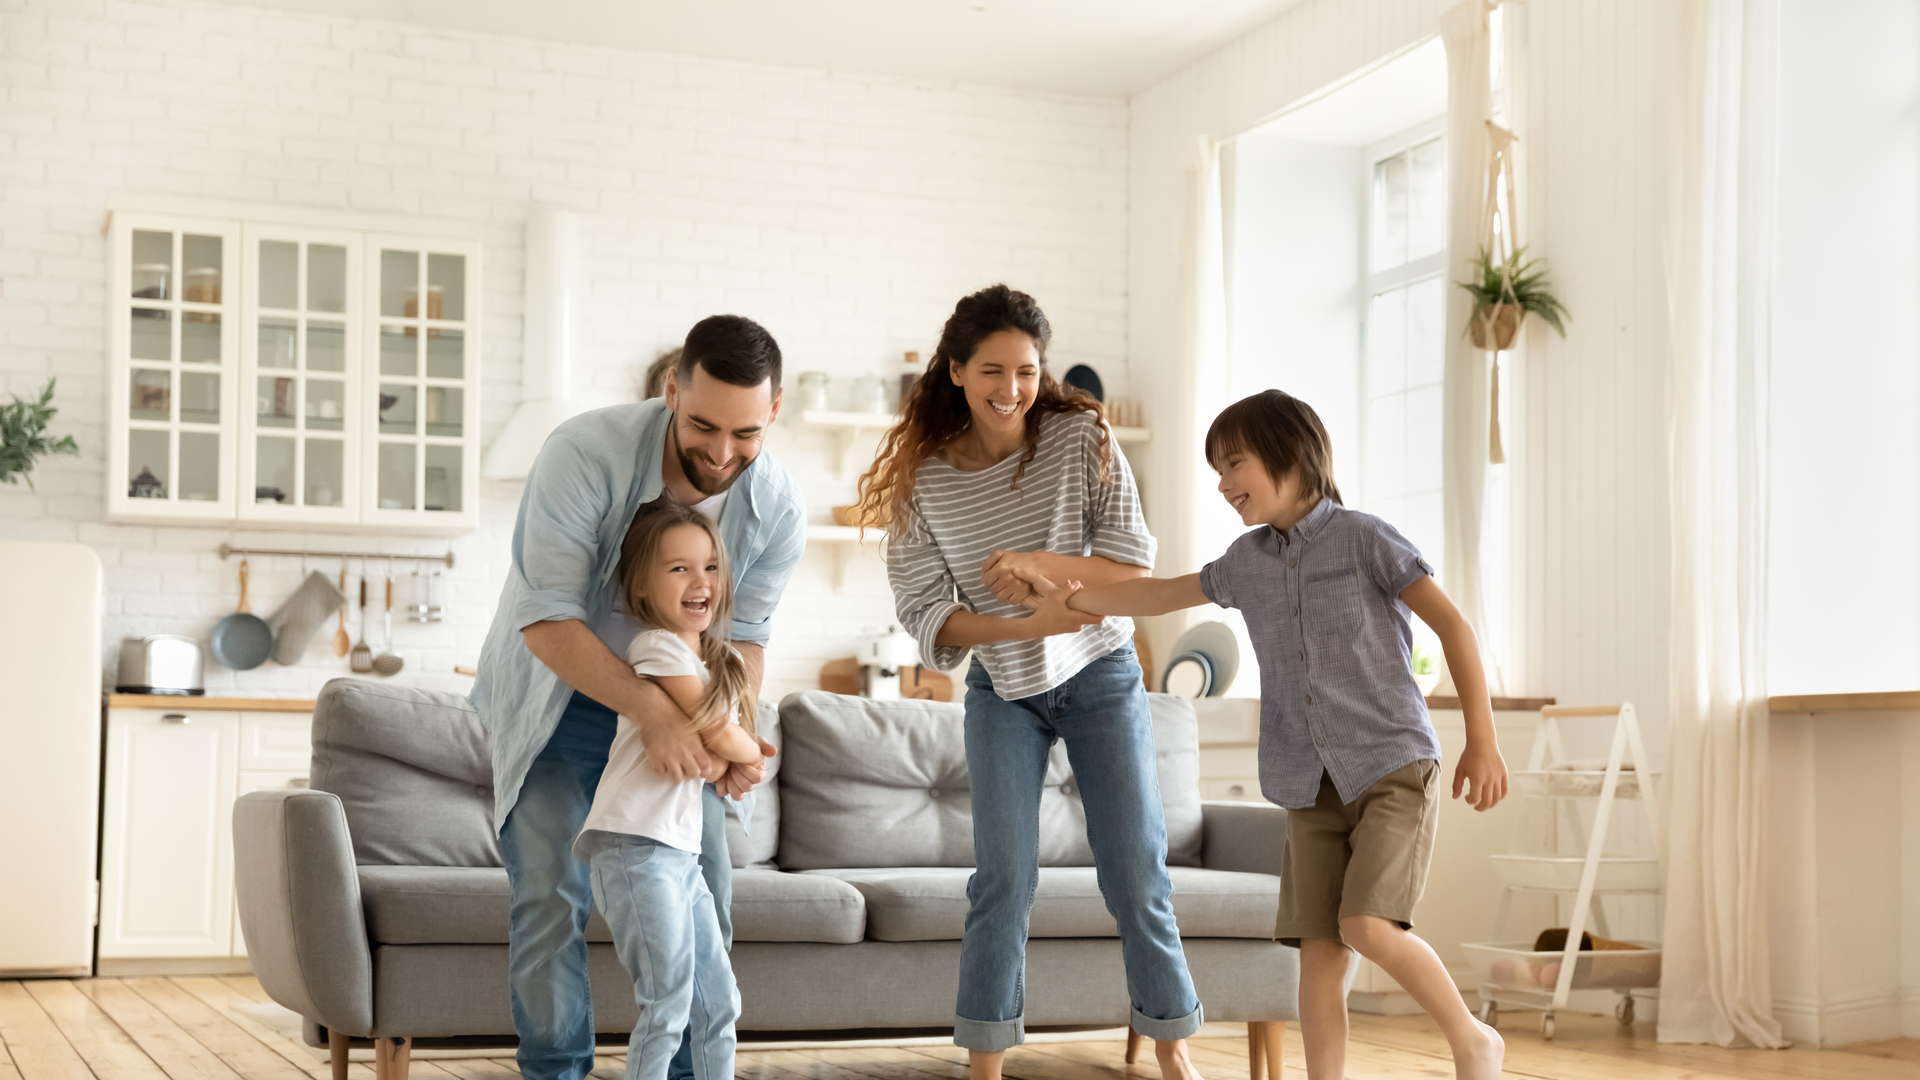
{"x": 422, "y": 446}
{"x": 174, "y": 359}
{"x": 298, "y": 432}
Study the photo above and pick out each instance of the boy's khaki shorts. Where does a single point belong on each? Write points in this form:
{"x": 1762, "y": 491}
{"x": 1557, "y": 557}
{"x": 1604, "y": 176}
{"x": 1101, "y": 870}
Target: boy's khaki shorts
{"x": 1366, "y": 858}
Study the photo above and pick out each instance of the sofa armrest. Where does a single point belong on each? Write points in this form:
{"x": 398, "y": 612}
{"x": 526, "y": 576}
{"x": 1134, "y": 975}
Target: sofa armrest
{"x": 300, "y": 908}
{"x": 1243, "y": 836}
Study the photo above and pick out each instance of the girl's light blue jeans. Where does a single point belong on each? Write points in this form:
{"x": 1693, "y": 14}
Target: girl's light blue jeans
{"x": 669, "y": 940}
{"x": 1102, "y": 715}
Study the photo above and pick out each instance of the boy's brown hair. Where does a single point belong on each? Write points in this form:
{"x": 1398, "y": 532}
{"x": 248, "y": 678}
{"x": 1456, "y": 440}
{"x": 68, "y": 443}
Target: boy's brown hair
{"x": 1283, "y": 432}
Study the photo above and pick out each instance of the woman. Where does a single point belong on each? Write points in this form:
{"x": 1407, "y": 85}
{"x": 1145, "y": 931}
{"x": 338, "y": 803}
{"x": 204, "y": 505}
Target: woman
{"x": 992, "y": 468}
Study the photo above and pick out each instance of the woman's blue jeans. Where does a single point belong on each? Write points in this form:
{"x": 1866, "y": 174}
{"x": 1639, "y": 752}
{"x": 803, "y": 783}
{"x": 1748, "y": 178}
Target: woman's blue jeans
{"x": 663, "y": 923}
{"x": 553, "y": 895}
{"x": 1102, "y": 715}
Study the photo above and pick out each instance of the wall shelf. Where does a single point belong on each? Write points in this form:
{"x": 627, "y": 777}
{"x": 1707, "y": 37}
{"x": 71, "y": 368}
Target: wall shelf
{"x": 846, "y": 543}
{"x": 848, "y": 427}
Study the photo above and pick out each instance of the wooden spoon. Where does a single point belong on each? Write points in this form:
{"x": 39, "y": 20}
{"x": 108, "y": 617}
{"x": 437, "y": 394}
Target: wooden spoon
{"x": 341, "y": 642}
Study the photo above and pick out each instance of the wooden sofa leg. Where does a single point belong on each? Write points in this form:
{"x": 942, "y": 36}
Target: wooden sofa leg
{"x": 1133, "y": 1046}
{"x": 337, "y": 1053}
{"x": 1264, "y": 1039}
{"x": 391, "y": 1056}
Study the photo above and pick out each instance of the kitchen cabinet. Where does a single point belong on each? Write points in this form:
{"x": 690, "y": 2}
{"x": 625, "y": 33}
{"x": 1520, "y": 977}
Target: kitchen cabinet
{"x": 293, "y": 375}
{"x": 166, "y": 867}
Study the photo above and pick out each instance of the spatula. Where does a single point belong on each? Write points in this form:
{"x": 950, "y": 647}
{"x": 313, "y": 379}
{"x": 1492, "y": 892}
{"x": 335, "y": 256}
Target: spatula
{"x": 341, "y": 642}
{"x": 361, "y": 658}
{"x": 387, "y": 663}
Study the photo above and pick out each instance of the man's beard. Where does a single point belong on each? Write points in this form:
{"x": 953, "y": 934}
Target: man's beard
{"x": 702, "y": 482}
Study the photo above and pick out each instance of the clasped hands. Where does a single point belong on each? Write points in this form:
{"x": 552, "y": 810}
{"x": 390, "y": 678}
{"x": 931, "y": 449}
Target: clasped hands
{"x": 1017, "y": 577}
{"x": 677, "y": 753}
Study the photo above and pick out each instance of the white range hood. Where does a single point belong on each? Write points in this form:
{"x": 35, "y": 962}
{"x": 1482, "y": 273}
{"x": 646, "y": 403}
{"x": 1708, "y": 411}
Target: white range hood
{"x": 553, "y": 240}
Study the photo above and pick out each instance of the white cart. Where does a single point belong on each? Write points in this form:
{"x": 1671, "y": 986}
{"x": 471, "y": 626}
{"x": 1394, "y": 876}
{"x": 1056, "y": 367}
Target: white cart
{"x": 1511, "y": 972}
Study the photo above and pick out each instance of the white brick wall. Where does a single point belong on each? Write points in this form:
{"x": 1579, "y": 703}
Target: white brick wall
{"x": 845, "y": 212}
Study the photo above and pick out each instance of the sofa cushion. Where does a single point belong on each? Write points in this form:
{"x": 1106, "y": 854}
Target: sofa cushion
{"x": 884, "y": 784}
{"x": 756, "y": 848}
{"x": 930, "y": 904}
{"x": 412, "y": 771}
{"x": 468, "y": 905}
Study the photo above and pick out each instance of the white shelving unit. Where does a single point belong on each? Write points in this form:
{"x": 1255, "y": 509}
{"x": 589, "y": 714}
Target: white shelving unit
{"x": 846, "y": 543}
{"x": 1512, "y": 972}
{"x": 848, "y": 427}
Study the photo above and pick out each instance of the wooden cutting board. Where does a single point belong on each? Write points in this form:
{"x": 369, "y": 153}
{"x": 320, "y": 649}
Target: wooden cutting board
{"x": 843, "y": 677}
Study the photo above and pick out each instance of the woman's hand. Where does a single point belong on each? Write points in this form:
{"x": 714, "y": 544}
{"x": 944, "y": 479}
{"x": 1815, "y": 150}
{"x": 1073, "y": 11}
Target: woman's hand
{"x": 1051, "y": 615}
{"x": 1009, "y": 574}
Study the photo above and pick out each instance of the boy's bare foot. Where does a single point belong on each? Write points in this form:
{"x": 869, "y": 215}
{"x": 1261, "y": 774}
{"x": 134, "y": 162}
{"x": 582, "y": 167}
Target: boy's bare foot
{"x": 1479, "y": 1058}
{"x": 1175, "y": 1063}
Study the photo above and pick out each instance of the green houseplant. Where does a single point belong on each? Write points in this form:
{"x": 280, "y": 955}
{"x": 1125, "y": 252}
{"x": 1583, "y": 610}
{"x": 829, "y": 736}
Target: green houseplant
{"x": 1504, "y": 292}
{"x": 23, "y": 436}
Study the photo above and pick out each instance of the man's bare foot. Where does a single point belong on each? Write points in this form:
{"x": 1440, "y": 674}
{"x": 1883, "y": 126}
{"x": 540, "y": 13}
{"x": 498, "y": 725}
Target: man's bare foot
{"x": 1479, "y": 1057}
{"x": 1175, "y": 1062}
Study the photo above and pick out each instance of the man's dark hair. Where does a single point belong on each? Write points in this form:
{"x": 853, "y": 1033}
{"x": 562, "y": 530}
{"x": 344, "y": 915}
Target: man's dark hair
{"x": 1283, "y": 432}
{"x": 733, "y": 349}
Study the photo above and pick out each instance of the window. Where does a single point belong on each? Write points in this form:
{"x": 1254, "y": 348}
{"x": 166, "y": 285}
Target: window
{"x": 1404, "y": 335}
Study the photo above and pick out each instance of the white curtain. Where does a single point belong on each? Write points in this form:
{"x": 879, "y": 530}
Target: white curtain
{"x": 1716, "y": 985}
{"x": 1206, "y": 523}
{"x": 1466, "y": 390}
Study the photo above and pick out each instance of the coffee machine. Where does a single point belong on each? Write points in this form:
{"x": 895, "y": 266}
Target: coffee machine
{"x": 881, "y": 655}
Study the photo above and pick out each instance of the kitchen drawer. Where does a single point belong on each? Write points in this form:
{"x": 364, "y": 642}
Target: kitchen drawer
{"x": 1241, "y": 789}
{"x": 278, "y": 742}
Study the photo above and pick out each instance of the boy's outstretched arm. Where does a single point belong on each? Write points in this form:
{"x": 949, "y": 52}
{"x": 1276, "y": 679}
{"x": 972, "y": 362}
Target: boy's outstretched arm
{"x": 1481, "y": 765}
{"x": 1135, "y": 596}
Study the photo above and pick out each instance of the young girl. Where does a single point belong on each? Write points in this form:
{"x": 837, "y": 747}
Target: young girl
{"x": 642, "y": 835}
{"x": 1345, "y": 742}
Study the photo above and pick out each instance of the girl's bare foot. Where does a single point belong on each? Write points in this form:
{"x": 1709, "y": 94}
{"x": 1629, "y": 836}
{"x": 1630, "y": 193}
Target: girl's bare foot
{"x": 1479, "y": 1058}
{"x": 1175, "y": 1063}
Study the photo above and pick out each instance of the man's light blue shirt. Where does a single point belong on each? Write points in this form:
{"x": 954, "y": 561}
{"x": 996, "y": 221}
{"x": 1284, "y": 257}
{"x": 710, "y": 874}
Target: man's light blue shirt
{"x": 594, "y": 472}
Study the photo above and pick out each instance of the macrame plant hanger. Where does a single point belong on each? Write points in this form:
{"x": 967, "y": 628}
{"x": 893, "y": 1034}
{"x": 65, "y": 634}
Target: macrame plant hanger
{"x": 1498, "y": 222}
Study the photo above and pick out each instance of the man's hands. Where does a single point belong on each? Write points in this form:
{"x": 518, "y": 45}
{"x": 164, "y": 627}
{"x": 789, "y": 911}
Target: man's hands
{"x": 1482, "y": 766}
{"x": 674, "y": 750}
{"x": 738, "y": 778}
{"x": 1009, "y": 575}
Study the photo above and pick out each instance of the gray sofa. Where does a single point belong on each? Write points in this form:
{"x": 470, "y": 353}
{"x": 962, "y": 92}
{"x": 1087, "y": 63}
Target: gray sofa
{"x": 374, "y": 903}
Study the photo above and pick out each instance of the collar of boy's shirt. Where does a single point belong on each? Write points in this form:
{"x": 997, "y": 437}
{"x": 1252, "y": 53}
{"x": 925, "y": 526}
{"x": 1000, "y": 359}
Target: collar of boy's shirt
{"x": 1307, "y": 527}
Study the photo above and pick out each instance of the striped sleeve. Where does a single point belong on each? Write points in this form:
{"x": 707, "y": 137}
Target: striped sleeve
{"x": 923, "y": 589}
{"x": 1119, "y": 528}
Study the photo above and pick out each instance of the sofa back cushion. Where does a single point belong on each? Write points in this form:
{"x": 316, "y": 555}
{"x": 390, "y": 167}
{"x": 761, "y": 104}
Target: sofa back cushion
{"x": 884, "y": 783}
{"x": 411, "y": 769}
{"x": 755, "y": 847}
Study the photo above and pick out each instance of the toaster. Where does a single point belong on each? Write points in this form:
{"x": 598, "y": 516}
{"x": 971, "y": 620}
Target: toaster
{"x": 160, "y": 664}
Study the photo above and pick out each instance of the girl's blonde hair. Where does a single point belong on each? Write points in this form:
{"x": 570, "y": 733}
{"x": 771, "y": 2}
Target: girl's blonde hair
{"x": 728, "y": 688}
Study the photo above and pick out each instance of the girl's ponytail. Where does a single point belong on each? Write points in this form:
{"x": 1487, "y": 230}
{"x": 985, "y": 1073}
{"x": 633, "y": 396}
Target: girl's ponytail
{"x": 729, "y": 685}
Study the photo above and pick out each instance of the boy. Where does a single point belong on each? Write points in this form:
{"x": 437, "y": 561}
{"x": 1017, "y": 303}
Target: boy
{"x": 1345, "y": 742}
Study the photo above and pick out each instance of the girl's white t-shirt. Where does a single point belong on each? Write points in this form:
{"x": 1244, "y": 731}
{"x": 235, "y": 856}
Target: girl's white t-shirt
{"x": 632, "y": 798}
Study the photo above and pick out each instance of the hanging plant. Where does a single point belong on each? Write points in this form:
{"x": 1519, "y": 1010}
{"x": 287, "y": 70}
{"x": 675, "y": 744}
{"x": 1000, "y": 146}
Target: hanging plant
{"x": 23, "y": 436}
{"x": 1505, "y": 292}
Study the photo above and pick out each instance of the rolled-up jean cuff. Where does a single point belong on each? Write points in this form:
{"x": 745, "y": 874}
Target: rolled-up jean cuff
{"x": 1183, "y": 1027}
{"x": 991, "y": 1036}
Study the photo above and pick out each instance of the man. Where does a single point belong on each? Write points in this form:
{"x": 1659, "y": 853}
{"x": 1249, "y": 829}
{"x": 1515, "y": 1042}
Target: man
{"x": 552, "y": 681}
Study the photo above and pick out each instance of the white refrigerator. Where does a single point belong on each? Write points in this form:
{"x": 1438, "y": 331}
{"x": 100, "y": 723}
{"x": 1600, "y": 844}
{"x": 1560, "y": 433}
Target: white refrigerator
{"x": 51, "y": 600}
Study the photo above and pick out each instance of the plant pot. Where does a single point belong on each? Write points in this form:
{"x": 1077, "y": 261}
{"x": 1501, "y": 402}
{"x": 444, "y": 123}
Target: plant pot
{"x": 1503, "y": 320}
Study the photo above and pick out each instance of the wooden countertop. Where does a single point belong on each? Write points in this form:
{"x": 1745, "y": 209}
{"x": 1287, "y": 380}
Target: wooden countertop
{"x": 1885, "y": 701}
{"x": 217, "y": 704}
{"x": 1500, "y": 704}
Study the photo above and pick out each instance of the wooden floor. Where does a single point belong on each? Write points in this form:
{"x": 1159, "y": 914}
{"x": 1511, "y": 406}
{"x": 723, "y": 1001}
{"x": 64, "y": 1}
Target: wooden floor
{"x": 192, "y": 1029}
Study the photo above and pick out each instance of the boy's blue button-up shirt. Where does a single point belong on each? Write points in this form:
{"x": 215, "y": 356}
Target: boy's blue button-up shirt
{"x": 594, "y": 472}
{"x": 1335, "y": 646}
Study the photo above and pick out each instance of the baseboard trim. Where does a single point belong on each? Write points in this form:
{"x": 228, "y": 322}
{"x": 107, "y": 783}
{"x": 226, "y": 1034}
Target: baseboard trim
{"x": 1845, "y": 1021}
{"x": 175, "y": 965}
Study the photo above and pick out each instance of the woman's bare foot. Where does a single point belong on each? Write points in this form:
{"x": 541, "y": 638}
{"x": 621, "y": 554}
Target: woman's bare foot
{"x": 1479, "y": 1058}
{"x": 982, "y": 1065}
{"x": 1175, "y": 1063}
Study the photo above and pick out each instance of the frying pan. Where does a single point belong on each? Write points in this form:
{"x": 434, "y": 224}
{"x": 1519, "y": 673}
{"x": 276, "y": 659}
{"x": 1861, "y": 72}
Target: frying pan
{"x": 242, "y": 641}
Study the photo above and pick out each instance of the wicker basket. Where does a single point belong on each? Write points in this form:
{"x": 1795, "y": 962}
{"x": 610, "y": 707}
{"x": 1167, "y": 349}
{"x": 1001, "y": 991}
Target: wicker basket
{"x": 1504, "y": 321}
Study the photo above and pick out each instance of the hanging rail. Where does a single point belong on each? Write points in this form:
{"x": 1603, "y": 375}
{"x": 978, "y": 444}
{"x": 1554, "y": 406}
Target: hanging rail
{"x": 228, "y": 550}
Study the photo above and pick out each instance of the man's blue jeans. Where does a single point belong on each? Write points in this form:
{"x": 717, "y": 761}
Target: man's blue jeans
{"x": 1102, "y": 715}
{"x": 553, "y": 895}
{"x": 664, "y": 927}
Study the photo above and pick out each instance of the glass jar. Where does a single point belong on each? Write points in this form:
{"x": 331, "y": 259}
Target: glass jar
{"x": 870, "y": 394}
{"x": 812, "y": 392}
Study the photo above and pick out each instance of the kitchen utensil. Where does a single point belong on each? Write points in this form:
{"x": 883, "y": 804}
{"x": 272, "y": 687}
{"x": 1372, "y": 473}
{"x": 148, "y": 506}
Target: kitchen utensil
{"x": 160, "y": 664}
{"x": 360, "y": 658}
{"x": 387, "y": 663}
{"x": 341, "y": 642}
{"x": 302, "y": 616}
{"x": 242, "y": 641}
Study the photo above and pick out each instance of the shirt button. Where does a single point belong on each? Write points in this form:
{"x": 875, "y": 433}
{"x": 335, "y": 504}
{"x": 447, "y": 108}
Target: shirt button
{"x": 1293, "y": 562}
{"x": 482, "y": 792}
{"x": 1309, "y": 699}
{"x": 1303, "y": 654}
{"x": 933, "y": 793}
{"x": 1296, "y": 609}
{"x": 1320, "y": 742}
{"x": 1066, "y": 789}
